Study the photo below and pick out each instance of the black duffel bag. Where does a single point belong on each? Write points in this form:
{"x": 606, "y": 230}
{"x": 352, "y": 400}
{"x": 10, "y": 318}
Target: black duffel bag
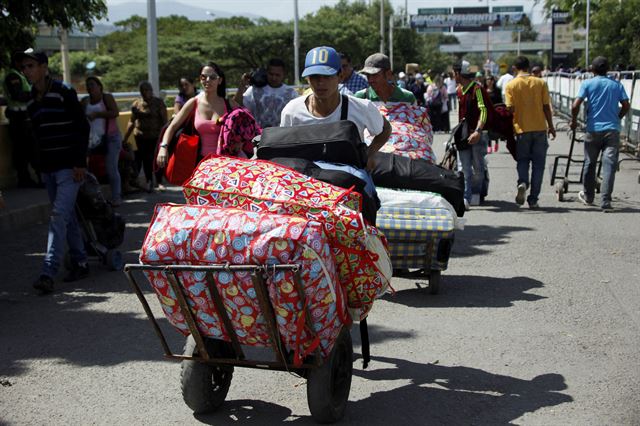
{"x": 395, "y": 171}
{"x": 336, "y": 142}
{"x": 370, "y": 205}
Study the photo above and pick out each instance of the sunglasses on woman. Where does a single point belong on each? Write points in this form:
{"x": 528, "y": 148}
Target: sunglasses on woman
{"x": 205, "y": 77}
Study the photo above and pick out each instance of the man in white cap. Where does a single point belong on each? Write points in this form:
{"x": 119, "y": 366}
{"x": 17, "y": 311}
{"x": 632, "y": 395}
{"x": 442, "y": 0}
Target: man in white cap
{"x": 377, "y": 68}
{"x": 323, "y": 105}
{"x": 402, "y": 80}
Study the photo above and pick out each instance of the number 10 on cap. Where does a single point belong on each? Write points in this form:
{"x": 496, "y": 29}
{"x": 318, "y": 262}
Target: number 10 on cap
{"x": 320, "y": 56}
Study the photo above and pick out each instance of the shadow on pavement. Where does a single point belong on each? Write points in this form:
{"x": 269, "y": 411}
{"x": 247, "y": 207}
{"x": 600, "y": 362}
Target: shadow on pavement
{"x": 479, "y": 239}
{"x": 435, "y": 394}
{"x": 469, "y": 291}
{"x": 440, "y": 394}
{"x": 61, "y": 327}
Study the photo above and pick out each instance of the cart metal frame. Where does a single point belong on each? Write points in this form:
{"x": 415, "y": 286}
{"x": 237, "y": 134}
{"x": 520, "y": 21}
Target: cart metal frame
{"x": 562, "y": 185}
{"x": 258, "y": 276}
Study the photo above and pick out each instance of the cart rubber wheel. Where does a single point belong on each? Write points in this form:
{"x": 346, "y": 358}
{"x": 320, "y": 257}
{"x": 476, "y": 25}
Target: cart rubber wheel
{"x": 113, "y": 260}
{"x": 328, "y": 386}
{"x": 204, "y": 386}
{"x": 560, "y": 190}
{"x": 434, "y": 281}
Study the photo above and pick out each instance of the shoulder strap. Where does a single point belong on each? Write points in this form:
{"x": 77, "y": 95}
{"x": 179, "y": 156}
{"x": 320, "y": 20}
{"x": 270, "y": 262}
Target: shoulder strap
{"x": 344, "y": 112}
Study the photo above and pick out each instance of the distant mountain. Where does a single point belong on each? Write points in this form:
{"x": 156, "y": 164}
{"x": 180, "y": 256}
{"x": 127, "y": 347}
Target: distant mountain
{"x": 121, "y": 12}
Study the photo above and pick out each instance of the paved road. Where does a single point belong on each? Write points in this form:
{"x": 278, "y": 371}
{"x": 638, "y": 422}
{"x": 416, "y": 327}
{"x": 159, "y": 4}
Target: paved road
{"x": 538, "y": 323}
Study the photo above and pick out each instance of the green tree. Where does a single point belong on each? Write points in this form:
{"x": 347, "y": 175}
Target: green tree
{"x": 614, "y": 27}
{"x": 19, "y": 20}
{"x": 527, "y": 33}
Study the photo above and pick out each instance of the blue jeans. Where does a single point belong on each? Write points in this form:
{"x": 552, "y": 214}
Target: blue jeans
{"x": 607, "y": 142}
{"x": 472, "y": 164}
{"x": 532, "y": 149}
{"x": 63, "y": 224}
{"x": 114, "y": 145}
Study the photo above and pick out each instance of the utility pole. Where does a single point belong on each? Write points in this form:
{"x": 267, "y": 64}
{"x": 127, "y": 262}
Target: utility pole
{"x": 296, "y": 44}
{"x": 381, "y": 26}
{"x": 586, "y": 50}
{"x": 64, "y": 55}
{"x": 391, "y": 41}
{"x": 152, "y": 47}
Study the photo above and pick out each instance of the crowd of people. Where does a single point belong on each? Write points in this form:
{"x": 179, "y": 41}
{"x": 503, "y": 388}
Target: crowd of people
{"x": 58, "y": 135}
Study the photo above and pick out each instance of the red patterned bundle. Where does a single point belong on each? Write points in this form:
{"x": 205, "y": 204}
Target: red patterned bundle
{"x": 411, "y": 134}
{"x": 195, "y": 235}
{"x": 256, "y": 185}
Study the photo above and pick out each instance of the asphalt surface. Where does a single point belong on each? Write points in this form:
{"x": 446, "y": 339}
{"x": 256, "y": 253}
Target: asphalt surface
{"x": 537, "y": 323}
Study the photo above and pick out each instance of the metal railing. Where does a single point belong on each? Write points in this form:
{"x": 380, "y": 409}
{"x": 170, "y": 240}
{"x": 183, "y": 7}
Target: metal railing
{"x": 563, "y": 89}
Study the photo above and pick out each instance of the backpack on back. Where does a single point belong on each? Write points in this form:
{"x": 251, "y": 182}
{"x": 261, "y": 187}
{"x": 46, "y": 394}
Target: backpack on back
{"x": 499, "y": 122}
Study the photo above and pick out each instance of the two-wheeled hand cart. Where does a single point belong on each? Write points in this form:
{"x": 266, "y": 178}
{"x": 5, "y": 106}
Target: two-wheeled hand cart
{"x": 208, "y": 363}
{"x": 561, "y": 181}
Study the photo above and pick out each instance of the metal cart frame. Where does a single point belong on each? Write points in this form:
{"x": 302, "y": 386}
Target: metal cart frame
{"x": 329, "y": 380}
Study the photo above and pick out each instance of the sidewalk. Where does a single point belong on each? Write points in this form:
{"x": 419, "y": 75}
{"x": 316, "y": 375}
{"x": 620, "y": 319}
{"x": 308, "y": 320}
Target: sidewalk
{"x": 23, "y": 207}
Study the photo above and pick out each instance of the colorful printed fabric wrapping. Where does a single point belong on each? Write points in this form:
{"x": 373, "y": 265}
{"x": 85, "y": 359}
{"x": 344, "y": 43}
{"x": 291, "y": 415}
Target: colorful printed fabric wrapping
{"x": 411, "y": 132}
{"x": 262, "y": 186}
{"x": 197, "y": 235}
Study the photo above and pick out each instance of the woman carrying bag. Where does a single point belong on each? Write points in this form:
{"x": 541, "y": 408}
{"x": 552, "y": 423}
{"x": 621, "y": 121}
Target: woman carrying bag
{"x": 203, "y": 114}
{"x": 101, "y": 110}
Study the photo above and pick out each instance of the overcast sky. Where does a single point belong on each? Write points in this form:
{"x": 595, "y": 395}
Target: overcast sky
{"x": 283, "y": 9}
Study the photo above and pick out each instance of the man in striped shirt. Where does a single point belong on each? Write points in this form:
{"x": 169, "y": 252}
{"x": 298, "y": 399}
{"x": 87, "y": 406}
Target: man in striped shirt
{"x": 62, "y": 134}
{"x": 472, "y": 108}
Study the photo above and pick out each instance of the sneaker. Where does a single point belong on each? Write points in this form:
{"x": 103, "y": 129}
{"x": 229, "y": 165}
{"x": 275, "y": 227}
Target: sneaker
{"x": 606, "y": 208}
{"x": 534, "y": 206}
{"x": 466, "y": 205}
{"x": 161, "y": 187}
{"x": 44, "y": 284}
{"x": 522, "y": 192}
{"x": 76, "y": 273}
{"x": 583, "y": 197}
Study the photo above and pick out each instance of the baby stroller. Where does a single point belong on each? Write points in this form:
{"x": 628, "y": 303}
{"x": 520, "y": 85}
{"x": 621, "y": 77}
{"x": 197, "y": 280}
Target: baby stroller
{"x": 102, "y": 228}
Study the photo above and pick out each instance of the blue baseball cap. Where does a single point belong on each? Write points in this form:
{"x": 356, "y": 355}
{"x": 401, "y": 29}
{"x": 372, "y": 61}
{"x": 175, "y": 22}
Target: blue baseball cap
{"x": 323, "y": 60}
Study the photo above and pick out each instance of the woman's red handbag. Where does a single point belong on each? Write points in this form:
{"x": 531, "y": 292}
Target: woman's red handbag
{"x": 182, "y": 151}
{"x": 183, "y": 159}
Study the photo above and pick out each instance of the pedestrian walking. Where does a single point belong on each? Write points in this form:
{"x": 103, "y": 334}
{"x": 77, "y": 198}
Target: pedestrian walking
{"x": 324, "y": 103}
{"x": 471, "y": 144}
{"x": 102, "y": 111}
{"x": 527, "y": 97}
{"x": 351, "y": 79}
{"x": 186, "y": 90}
{"x": 608, "y": 103}
{"x": 377, "y": 68}
{"x": 18, "y": 93}
{"x": 266, "y": 102}
{"x": 452, "y": 91}
{"x": 62, "y": 134}
{"x": 148, "y": 116}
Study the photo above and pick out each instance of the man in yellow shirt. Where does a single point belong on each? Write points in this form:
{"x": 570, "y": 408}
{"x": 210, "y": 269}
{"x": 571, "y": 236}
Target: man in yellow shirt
{"x": 527, "y": 97}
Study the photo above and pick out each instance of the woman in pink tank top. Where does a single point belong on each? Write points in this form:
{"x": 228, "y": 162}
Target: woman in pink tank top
{"x": 209, "y": 106}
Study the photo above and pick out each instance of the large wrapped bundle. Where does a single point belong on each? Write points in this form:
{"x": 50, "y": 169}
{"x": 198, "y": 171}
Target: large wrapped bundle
{"x": 262, "y": 186}
{"x": 418, "y": 237}
{"x": 411, "y": 134}
{"x": 195, "y": 235}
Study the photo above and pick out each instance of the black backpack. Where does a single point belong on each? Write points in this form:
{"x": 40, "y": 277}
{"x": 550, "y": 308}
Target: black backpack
{"x": 337, "y": 142}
